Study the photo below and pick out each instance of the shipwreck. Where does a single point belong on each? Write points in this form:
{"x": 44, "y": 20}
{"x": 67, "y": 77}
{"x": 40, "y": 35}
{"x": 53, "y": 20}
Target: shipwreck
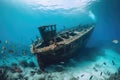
{"x": 54, "y": 47}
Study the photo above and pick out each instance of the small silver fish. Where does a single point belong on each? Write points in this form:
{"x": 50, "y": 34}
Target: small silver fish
{"x": 62, "y": 62}
{"x": 3, "y": 48}
{"x": 115, "y": 41}
{"x": 6, "y": 42}
{"x": 2, "y": 51}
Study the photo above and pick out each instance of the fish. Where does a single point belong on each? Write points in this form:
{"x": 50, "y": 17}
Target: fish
{"x": 113, "y": 62}
{"x": 104, "y": 63}
{"x": 10, "y": 51}
{"x": 0, "y": 41}
{"x": 115, "y": 41}
{"x": 62, "y": 62}
{"x": 82, "y": 75}
{"x": 90, "y": 77}
{"x": 95, "y": 69}
{"x": 101, "y": 73}
{"x": 6, "y": 42}
{"x": 3, "y": 48}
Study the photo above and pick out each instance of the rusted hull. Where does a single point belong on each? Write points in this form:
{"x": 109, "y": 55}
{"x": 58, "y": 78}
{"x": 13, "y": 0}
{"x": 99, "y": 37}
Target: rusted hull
{"x": 63, "y": 53}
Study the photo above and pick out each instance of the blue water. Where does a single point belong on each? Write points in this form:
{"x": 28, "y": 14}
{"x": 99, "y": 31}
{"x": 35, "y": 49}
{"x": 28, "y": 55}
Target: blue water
{"x": 19, "y": 22}
{"x": 20, "y": 19}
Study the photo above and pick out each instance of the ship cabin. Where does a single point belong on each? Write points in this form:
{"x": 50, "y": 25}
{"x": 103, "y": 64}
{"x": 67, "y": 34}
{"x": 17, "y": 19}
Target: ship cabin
{"x": 51, "y": 39}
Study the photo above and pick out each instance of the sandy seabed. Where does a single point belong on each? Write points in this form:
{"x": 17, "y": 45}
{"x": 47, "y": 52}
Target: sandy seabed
{"x": 101, "y": 68}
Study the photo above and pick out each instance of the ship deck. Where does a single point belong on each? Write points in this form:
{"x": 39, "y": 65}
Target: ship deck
{"x": 65, "y": 41}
